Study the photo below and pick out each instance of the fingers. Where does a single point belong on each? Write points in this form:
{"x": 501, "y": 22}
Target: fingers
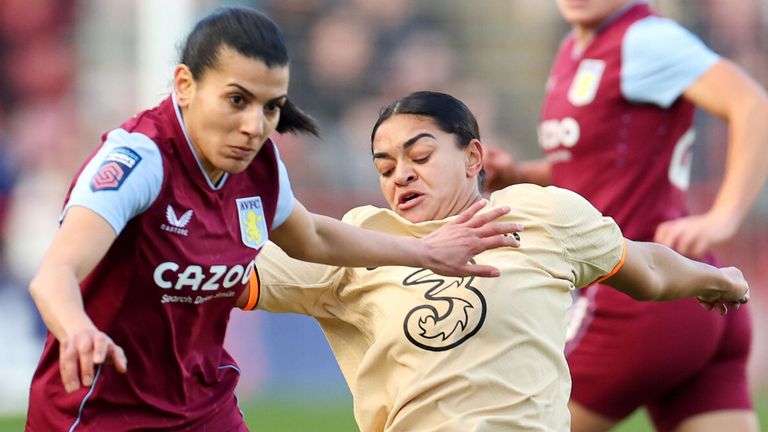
{"x": 68, "y": 366}
{"x": 500, "y": 237}
{"x": 717, "y": 305}
{"x": 467, "y": 214}
{"x": 745, "y": 297}
{"x": 499, "y": 228}
{"x": 477, "y": 270}
{"x": 85, "y": 354}
{"x": 483, "y": 219}
{"x": 722, "y": 309}
{"x": 82, "y": 353}
{"x": 117, "y": 355}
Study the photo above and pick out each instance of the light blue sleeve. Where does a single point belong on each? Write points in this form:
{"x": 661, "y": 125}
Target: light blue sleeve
{"x": 285, "y": 197}
{"x": 660, "y": 59}
{"x": 121, "y": 181}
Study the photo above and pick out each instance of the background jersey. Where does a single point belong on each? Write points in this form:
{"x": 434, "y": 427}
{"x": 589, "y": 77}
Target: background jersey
{"x": 613, "y": 125}
{"x": 422, "y": 352}
{"x": 166, "y": 286}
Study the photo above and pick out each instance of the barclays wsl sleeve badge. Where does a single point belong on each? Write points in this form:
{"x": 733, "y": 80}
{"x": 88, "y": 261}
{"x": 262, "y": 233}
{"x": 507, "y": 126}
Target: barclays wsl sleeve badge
{"x": 115, "y": 169}
{"x": 253, "y": 225}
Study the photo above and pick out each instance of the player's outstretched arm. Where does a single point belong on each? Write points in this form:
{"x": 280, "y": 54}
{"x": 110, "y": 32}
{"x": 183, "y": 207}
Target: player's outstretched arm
{"x": 446, "y": 251}
{"x": 82, "y": 241}
{"x": 653, "y": 271}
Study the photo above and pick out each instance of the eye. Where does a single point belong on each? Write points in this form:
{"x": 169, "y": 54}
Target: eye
{"x": 385, "y": 168}
{"x": 237, "y": 100}
{"x": 422, "y": 160}
{"x": 272, "y": 107}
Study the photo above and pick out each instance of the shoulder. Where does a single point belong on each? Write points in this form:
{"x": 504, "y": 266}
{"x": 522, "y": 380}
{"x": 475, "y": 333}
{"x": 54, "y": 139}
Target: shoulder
{"x": 523, "y": 194}
{"x": 660, "y": 59}
{"x": 366, "y": 215}
{"x": 130, "y": 149}
{"x": 654, "y": 36}
{"x": 548, "y": 205}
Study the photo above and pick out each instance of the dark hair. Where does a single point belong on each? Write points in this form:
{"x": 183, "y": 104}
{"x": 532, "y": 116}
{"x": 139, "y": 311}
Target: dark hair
{"x": 252, "y": 34}
{"x": 448, "y": 113}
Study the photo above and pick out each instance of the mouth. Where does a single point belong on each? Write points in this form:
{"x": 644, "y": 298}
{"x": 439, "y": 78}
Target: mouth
{"x": 409, "y": 200}
{"x": 241, "y": 152}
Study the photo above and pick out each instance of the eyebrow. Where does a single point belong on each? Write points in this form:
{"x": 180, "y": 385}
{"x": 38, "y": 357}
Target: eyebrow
{"x": 253, "y": 96}
{"x": 408, "y": 143}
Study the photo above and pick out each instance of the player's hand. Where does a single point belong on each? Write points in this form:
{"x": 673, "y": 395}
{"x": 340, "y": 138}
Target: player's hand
{"x": 734, "y": 294}
{"x": 82, "y": 352}
{"x": 692, "y": 236}
{"x": 451, "y": 247}
{"x": 500, "y": 169}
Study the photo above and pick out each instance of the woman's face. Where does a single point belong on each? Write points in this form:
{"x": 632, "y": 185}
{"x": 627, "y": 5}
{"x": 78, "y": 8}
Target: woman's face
{"x": 588, "y": 13}
{"x": 423, "y": 173}
{"x": 231, "y": 110}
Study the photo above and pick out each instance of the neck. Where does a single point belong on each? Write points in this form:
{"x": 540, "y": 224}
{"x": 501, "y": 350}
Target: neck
{"x": 475, "y": 197}
{"x": 583, "y": 36}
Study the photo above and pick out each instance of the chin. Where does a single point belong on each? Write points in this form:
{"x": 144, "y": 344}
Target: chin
{"x": 236, "y": 167}
{"x": 416, "y": 217}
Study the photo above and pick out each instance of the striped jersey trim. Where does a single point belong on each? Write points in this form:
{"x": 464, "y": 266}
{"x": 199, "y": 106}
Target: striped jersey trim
{"x": 254, "y": 286}
{"x": 618, "y": 265}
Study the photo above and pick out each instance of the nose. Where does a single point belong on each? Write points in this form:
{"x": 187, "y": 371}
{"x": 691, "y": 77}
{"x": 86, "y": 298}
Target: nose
{"x": 404, "y": 174}
{"x": 252, "y": 123}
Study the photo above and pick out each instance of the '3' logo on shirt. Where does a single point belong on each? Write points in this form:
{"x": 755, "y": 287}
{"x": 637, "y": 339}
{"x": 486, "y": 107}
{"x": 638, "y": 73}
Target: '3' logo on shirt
{"x": 454, "y": 313}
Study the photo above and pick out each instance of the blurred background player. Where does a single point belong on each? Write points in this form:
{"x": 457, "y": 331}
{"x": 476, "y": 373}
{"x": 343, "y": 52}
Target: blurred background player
{"x": 422, "y": 352}
{"x": 617, "y": 127}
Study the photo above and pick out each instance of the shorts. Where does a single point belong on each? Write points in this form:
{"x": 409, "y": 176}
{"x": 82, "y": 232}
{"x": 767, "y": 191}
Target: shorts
{"x": 675, "y": 358}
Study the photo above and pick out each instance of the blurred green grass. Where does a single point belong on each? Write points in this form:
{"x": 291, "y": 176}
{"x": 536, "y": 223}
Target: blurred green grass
{"x": 336, "y": 416}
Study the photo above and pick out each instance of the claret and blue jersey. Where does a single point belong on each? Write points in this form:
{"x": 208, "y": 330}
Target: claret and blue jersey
{"x": 166, "y": 286}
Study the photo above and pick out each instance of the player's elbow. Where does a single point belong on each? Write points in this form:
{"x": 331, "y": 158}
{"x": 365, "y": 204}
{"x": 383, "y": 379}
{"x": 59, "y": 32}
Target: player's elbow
{"x": 640, "y": 277}
{"x": 36, "y": 288}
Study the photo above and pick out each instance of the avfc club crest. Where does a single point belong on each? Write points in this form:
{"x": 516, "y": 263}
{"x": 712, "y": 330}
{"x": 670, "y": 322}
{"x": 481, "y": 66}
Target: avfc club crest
{"x": 253, "y": 226}
{"x": 584, "y": 86}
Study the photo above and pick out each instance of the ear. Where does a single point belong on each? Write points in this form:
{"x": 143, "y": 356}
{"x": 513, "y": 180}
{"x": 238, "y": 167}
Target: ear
{"x": 475, "y": 156}
{"x": 183, "y": 85}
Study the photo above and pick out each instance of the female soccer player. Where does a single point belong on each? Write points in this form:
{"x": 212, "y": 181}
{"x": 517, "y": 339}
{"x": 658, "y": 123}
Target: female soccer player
{"x": 616, "y": 127}
{"x": 159, "y": 229}
{"x": 423, "y": 352}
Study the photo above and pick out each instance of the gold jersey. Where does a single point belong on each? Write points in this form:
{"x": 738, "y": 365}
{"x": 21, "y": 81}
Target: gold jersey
{"x": 423, "y": 352}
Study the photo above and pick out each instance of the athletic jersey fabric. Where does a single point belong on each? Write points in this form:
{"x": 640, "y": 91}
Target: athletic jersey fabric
{"x": 166, "y": 286}
{"x": 422, "y": 352}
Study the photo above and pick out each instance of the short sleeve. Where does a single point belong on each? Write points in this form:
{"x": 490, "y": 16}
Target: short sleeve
{"x": 290, "y": 285}
{"x": 660, "y": 59}
{"x": 122, "y": 179}
{"x": 285, "y": 198}
{"x": 594, "y": 245}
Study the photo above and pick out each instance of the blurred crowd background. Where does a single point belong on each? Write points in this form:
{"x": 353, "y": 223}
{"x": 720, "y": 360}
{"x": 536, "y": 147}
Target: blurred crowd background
{"x": 72, "y": 69}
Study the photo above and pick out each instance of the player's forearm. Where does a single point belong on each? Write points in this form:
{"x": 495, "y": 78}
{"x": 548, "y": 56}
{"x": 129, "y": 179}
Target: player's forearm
{"x": 655, "y": 272}
{"x": 681, "y": 277}
{"x": 321, "y": 239}
{"x": 347, "y": 246}
{"x": 56, "y": 294}
{"x": 746, "y": 165}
